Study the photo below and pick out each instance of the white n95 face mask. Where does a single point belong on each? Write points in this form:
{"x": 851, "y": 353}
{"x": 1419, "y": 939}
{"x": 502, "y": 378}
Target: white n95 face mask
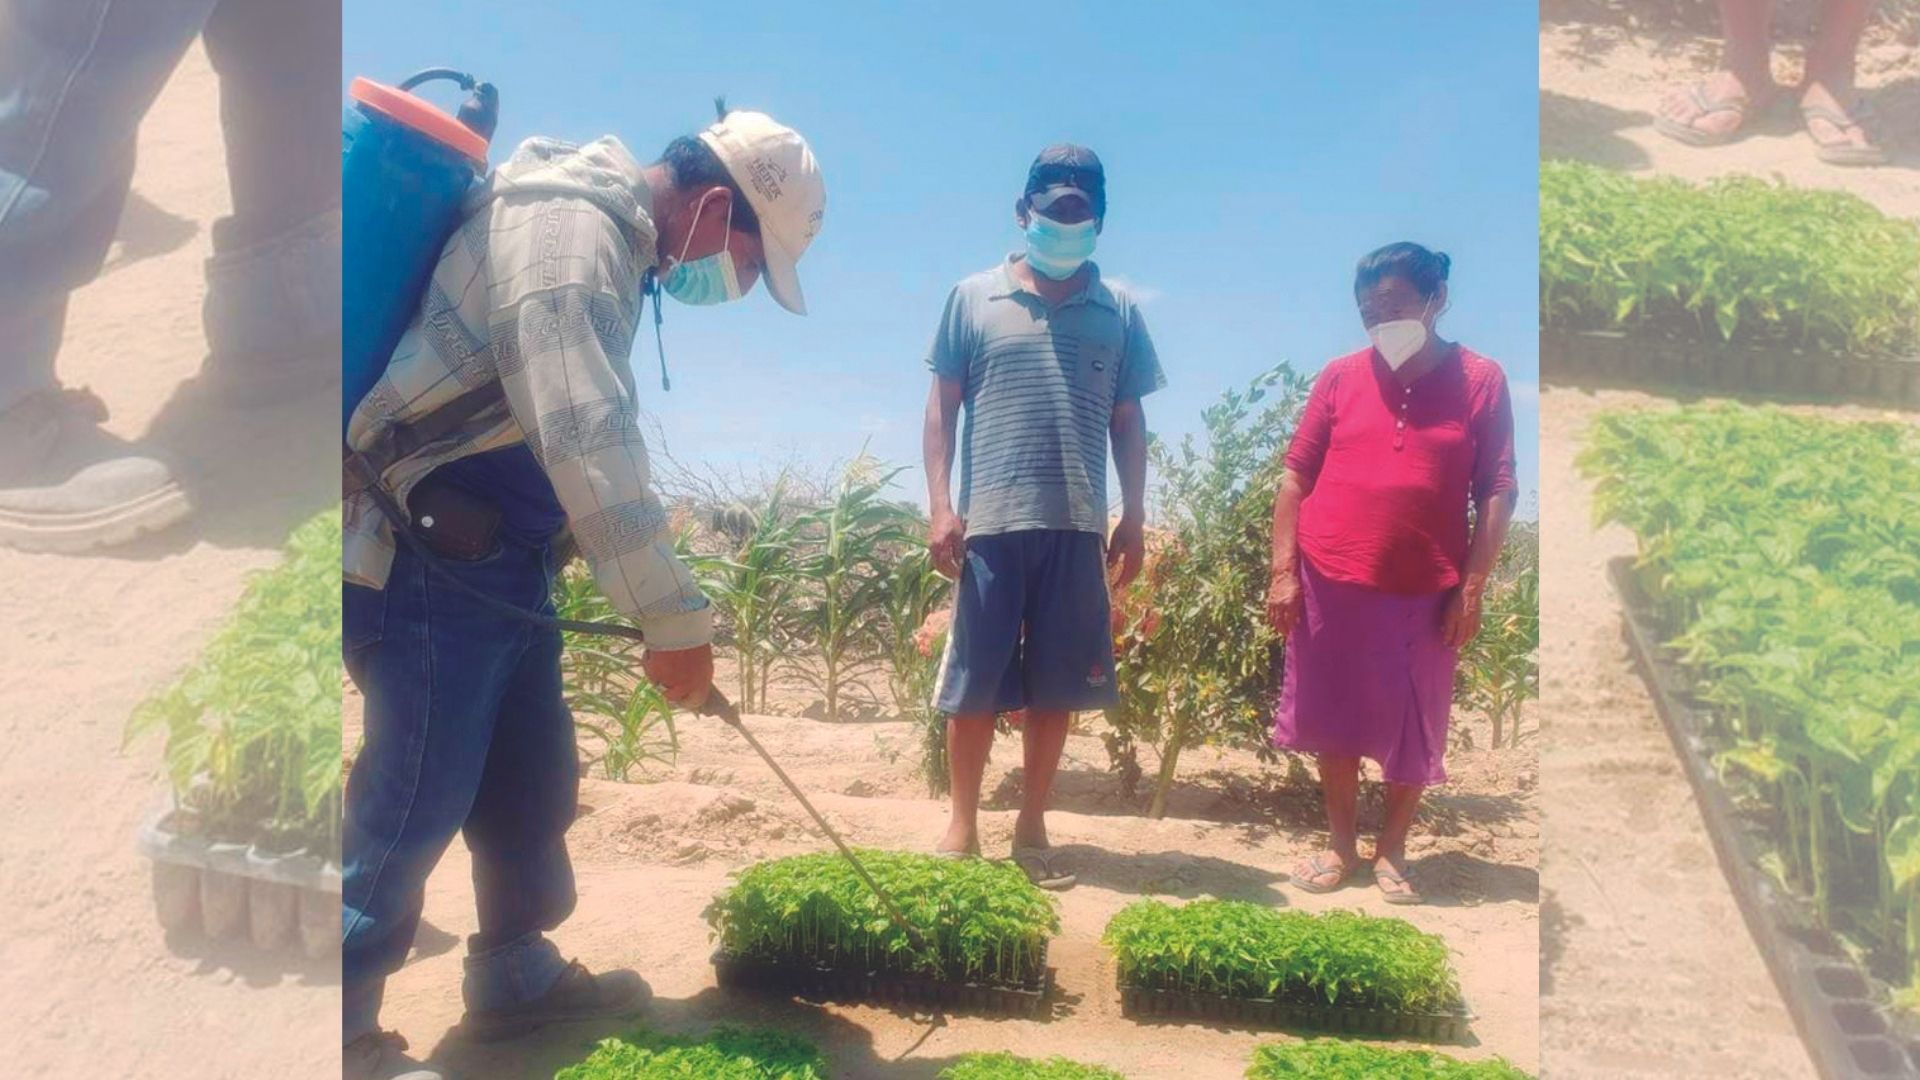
{"x": 1399, "y": 339}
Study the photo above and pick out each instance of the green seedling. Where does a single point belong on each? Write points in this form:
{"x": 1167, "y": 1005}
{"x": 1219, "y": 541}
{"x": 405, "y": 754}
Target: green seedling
{"x": 1333, "y": 1059}
{"x": 1004, "y": 1066}
{"x": 1243, "y": 950}
{"x": 724, "y": 1054}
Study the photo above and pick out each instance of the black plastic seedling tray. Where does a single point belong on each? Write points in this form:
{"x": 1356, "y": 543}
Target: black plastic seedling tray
{"x": 819, "y": 983}
{"x": 226, "y": 890}
{"x": 1633, "y": 359}
{"x": 1839, "y": 1008}
{"x": 1447, "y": 1027}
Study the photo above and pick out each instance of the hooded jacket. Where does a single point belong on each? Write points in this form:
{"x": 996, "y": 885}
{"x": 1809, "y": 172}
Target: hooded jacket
{"x": 538, "y": 291}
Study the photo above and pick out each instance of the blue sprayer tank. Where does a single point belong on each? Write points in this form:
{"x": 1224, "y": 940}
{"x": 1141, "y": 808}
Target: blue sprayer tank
{"x": 405, "y": 168}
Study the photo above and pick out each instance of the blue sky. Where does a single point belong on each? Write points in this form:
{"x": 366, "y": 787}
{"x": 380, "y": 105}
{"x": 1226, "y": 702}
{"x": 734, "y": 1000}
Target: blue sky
{"x": 1253, "y": 153}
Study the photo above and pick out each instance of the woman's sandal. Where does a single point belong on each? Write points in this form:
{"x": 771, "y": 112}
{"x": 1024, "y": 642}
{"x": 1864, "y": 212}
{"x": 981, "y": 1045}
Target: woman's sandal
{"x": 1748, "y": 109}
{"x": 1842, "y": 150}
{"x": 1037, "y": 864}
{"x": 1403, "y": 891}
{"x": 1318, "y": 867}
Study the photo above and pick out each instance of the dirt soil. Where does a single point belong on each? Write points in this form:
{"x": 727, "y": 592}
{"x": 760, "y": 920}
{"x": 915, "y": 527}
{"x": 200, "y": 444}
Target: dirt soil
{"x": 1648, "y": 970}
{"x": 651, "y": 855}
{"x": 93, "y": 987}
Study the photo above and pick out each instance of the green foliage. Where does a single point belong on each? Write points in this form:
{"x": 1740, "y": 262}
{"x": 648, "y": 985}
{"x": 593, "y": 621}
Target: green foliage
{"x": 253, "y": 727}
{"x": 1247, "y": 951}
{"x": 1499, "y": 670}
{"x": 1783, "y": 555}
{"x": 1334, "y": 1059}
{"x": 1204, "y": 672}
{"x": 724, "y": 1054}
{"x": 916, "y": 591}
{"x": 984, "y": 921}
{"x": 1004, "y": 1066}
{"x": 1738, "y": 259}
{"x": 628, "y": 720}
{"x": 756, "y": 584}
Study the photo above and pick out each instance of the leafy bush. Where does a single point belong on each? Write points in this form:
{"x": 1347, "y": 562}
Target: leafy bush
{"x": 1499, "y": 670}
{"x": 1203, "y": 671}
{"x": 1004, "y": 1066}
{"x": 1738, "y": 259}
{"x": 253, "y": 727}
{"x": 984, "y": 921}
{"x": 1783, "y": 554}
{"x": 629, "y": 720}
{"x": 1333, "y": 1059}
{"x": 724, "y": 1054}
{"x": 1247, "y": 951}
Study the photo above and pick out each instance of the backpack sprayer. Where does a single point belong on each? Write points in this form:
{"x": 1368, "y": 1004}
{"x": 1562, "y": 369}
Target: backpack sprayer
{"x": 406, "y": 169}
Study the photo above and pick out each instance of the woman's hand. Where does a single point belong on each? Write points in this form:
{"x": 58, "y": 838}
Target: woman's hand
{"x": 1284, "y": 602}
{"x": 1462, "y": 619}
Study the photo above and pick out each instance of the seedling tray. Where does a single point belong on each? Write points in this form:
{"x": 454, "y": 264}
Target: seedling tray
{"x": 1839, "y": 1008}
{"x": 227, "y": 890}
{"x": 1445, "y": 1027}
{"x": 1624, "y": 359}
{"x": 822, "y": 983}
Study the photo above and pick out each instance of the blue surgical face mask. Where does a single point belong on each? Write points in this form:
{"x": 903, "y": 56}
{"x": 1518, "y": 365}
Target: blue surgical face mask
{"x": 709, "y": 280}
{"x": 1057, "y": 250}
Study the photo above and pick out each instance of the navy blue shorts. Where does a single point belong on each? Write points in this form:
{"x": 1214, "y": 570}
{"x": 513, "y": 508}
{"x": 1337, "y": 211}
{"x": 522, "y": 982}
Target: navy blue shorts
{"x": 1031, "y": 626}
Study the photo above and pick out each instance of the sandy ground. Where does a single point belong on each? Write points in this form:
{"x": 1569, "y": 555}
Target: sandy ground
{"x": 650, "y": 856}
{"x": 1648, "y": 970}
{"x": 92, "y": 988}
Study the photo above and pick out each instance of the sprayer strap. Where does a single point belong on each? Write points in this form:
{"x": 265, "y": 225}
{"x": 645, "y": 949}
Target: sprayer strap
{"x": 402, "y": 441}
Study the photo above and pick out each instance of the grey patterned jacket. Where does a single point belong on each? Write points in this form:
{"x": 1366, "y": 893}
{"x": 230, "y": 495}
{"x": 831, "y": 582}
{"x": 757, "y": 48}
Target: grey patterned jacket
{"x": 539, "y": 292}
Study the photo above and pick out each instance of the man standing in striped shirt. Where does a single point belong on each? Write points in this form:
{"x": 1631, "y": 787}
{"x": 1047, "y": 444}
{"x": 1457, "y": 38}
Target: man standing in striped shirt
{"x": 1051, "y": 362}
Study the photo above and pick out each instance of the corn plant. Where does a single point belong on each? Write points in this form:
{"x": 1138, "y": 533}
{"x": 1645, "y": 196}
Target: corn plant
{"x": 628, "y": 720}
{"x": 1243, "y": 950}
{"x": 849, "y": 543}
{"x": 725, "y": 1053}
{"x": 253, "y": 727}
{"x": 756, "y": 585}
{"x": 1205, "y": 672}
{"x": 984, "y": 921}
{"x": 916, "y": 597}
{"x": 1782, "y": 555}
{"x": 1004, "y": 1066}
{"x": 1499, "y": 670}
{"x": 1738, "y": 259}
{"x": 1337, "y": 1059}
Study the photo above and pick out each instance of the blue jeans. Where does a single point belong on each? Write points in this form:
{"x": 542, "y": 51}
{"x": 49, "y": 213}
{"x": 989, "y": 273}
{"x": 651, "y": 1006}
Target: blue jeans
{"x": 466, "y": 733}
{"x": 77, "y": 76}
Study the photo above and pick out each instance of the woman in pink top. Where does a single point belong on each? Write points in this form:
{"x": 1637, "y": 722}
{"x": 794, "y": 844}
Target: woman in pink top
{"x": 1377, "y": 573}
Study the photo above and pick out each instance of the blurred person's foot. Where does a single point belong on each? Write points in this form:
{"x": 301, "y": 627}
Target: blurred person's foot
{"x": 578, "y": 995}
{"x": 382, "y": 1055}
{"x": 1714, "y": 111}
{"x": 272, "y": 314}
{"x": 1834, "y": 117}
{"x": 67, "y": 485}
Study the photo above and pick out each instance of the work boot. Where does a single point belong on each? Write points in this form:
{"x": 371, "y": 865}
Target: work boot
{"x": 382, "y": 1055}
{"x": 578, "y": 995}
{"x": 66, "y": 485}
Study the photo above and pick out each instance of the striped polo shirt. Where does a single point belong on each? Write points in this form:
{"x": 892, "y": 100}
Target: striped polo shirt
{"x": 1041, "y": 384}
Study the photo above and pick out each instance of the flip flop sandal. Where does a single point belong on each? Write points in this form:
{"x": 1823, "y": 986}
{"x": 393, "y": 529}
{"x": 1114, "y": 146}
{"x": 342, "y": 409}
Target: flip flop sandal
{"x": 1319, "y": 868}
{"x": 1405, "y": 894}
{"x": 1684, "y": 130}
{"x": 1842, "y": 151}
{"x": 1037, "y": 864}
{"x": 957, "y": 856}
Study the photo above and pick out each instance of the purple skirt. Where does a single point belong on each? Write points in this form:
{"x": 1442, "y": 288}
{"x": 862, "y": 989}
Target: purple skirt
{"x": 1367, "y": 675}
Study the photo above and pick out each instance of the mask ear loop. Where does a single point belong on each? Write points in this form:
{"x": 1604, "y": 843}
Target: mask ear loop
{"x": 650, "y": 289}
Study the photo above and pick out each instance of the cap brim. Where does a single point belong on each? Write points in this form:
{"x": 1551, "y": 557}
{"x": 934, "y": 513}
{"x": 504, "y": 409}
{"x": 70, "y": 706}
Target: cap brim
{"x": 783, "y": 279}
{"x": 1046, "y": 197}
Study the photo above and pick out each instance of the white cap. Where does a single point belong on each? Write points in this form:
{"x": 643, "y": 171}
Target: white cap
{"x": 775, "y": 169}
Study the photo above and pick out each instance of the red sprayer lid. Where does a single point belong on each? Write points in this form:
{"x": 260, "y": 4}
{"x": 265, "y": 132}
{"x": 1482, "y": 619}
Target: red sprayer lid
{"x": 420, "y": 115}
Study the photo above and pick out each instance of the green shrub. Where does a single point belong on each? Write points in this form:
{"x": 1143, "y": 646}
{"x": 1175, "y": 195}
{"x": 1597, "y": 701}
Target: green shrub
{"x": 985, "y": 922}
{"x": 1332, "y": 1059}
{"x": 1783, "y": 555}
{"x": 724, "y": 1054}
{"x": 1248, "y": 951}
{"x": 1499, "y": 670}
{"x": 253, "y": 727}
{"x": 1738, "y": 259}
{"x": 1004, "y": 1066}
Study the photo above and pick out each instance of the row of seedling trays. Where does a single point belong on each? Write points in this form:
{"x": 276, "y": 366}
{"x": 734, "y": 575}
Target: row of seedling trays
{"x": 1635, "y": 359}
{"x": 808, "y": 927}
{"x": 228, "y": 890}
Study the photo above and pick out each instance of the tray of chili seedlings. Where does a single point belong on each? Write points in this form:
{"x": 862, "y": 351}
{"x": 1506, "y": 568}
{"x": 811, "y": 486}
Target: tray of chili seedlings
{"x": 808, "y": 926}
{"x": 1240, "y": 963}
{"x": 1633, "y": 360}
{"x": 1005, "y": 1066}
{"x": 1336, "y": 1059}
{"x": 725, "y": 1053}
{"x": 248, "y": 843}
{"x": 1836, "y": 1002}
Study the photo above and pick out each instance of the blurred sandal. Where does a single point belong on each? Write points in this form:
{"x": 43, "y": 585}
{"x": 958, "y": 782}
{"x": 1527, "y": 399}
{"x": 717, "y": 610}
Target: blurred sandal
{"x": 1309, "y": 874}
{"x": 1839, "y": 147}
{"x": 1705, "y": 103}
